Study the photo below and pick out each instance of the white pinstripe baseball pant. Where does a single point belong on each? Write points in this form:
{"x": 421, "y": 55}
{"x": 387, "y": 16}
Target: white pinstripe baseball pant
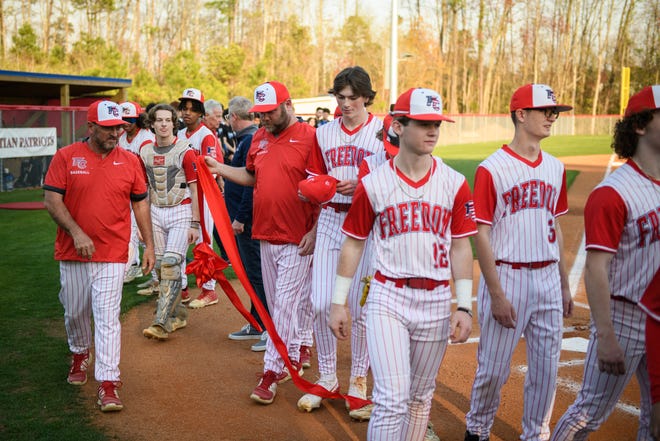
{"x": 329, "y": 239}
{"x": 600, "y": 391}
{"x": 171, "y": 226}
{"x": 286, "y": 276}
{"x": 133, "y": 244}
{"x": 536, "y": 296}
{"x": 93, "y": 288}
{"x": 407, "y": 332}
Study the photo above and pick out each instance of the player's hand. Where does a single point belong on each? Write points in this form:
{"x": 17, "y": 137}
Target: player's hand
{"x": 306, "y": 245}
{"x": 83, "y": 244}
{"x": 148, "y": 260}
{"x": 238, "y": 227}
{"x": 221, "y": 184}
{"x": 611, "y": 359}
{"x": 655, "y": 421}
{"x": 193, "y": 235}
{"x": 503, "y": 311}
{"x": 461, "y": 327}
{"x": 340, "y": 321}
{"x": 214, "y": 166}
{"x": 567, "y": 301}
{"x": 347, "y": 188}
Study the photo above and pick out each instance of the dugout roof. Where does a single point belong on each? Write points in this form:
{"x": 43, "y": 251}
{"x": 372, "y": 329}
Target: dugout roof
{"x": 41, "y": 88}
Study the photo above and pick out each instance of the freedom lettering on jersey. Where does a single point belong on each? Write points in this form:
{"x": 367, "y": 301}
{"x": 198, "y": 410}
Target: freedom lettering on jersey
{"x": 648, "y": 227}
{"x": 413, "y": 217}
{"x": 532, "y": 194}
{"x": 345, "y": 156}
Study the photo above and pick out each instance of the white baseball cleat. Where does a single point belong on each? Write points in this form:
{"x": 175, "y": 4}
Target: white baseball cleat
{"x": 309, "y": 402}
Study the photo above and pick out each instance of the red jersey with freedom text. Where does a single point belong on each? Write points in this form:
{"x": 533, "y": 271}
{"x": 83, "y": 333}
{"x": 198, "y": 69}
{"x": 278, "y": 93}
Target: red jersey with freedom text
{"x": 520, "y": 199}
{"x": 203, "y": 141}
{"x": 413, "y": 223}
{"x": 622, "y": 216}
{"x": 96, "y": 192}
{"x": 339, "y": 152}
{"x": 142, "y": 137}
{"x": 279, "y": 163}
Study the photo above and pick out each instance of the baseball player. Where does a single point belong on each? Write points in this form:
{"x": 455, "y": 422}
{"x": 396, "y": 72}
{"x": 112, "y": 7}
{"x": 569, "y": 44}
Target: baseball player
{"x": 170, "y": 168}
{"x": 283, "y": 223}
{"x": 520, "y": 191}
{"x": 650, "y": 303}
{"x": 134, "y": 136}
{"x": 419, "y": 212}
{"x": 622, "y": 237}
{"x": 204, "y": 143}
{"x": 87, "y": 191}
{"x": 342, "y": 144}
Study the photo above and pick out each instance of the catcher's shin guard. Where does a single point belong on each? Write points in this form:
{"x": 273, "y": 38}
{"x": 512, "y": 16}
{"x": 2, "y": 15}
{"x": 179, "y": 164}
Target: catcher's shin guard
{"x": 169, "y": 299}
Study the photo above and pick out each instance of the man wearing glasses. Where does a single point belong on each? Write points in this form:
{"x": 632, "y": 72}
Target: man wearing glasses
{"x": 519, "y": 191}
{"x": 89, "y": 188}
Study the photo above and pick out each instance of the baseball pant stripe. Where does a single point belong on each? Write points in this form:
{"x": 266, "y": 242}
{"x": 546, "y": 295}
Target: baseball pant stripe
{"x": 326, "y": 255}
{"x": 536, "y": 297}
{"x": 600, "y": 391}
{"x": 286, "y": 277}
{"x": 409, "y": 321}
{"x": 133, "y": 244}
{"x": 94, "y": 288}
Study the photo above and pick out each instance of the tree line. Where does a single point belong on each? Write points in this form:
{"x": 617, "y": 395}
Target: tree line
{"x": 474, "y": 52}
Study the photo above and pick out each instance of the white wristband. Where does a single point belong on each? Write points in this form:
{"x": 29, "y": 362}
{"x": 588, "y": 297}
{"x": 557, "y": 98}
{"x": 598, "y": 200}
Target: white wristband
{"x": 463, "y": 293}
{"x": 342, "y": 286}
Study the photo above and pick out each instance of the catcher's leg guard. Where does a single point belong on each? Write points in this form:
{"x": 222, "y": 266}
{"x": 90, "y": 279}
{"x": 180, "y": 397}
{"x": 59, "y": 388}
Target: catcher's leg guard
{"x": 169, "y": 298}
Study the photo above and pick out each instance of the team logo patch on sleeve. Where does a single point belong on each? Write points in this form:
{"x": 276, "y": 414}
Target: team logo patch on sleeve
{"x": 469, "y": 210}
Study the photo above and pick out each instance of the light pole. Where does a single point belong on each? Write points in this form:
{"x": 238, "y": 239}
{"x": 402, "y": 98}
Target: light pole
{"x": 394, "y": 54}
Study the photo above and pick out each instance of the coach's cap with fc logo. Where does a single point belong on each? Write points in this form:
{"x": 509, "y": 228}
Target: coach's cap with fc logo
{"x": 420, "y": 104}
{"x": 192, "y": 94}
{"x": 268, "y": 96}
{"x": 318, "y": 189}
{"x": 646, "y": 99}
{"x": 105, "y": 113}
{"x": 130, "y": 109}
{"x": 535, "y": 96}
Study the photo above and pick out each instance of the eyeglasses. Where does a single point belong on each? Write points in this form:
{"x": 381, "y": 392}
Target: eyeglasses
{"x": 130, "y": 120}
{"x": 548, "y": 112}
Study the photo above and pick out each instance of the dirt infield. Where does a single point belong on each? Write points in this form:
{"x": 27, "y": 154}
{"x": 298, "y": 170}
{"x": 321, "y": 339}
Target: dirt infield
{"x": 196, "y": 386}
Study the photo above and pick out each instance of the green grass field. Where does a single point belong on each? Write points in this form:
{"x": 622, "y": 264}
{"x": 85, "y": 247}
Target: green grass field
{"x": 36, "y": 402}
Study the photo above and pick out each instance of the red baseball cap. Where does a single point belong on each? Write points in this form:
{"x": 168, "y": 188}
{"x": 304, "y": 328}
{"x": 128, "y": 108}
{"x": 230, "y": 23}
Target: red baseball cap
{"x": 318, "y": 189}
{"x": 192, "y": 94}
{"x": 535, "y": 96}
{"x": 268, "y": 96}
{"x": 646, "y": 99}
{"x": 130, "y": 109}
{"x": 420, "y": 104}
{"x": 388, "y": 135}
{"x": 105, "y": 113}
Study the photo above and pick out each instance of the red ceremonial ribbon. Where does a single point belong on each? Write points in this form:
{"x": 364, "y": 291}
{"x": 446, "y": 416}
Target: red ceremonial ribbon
{"x": 207, "y": 264}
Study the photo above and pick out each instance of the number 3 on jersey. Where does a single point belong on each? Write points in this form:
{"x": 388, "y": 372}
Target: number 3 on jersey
{"x": 552, "y": 234}
{"x": 440, "y": 258}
